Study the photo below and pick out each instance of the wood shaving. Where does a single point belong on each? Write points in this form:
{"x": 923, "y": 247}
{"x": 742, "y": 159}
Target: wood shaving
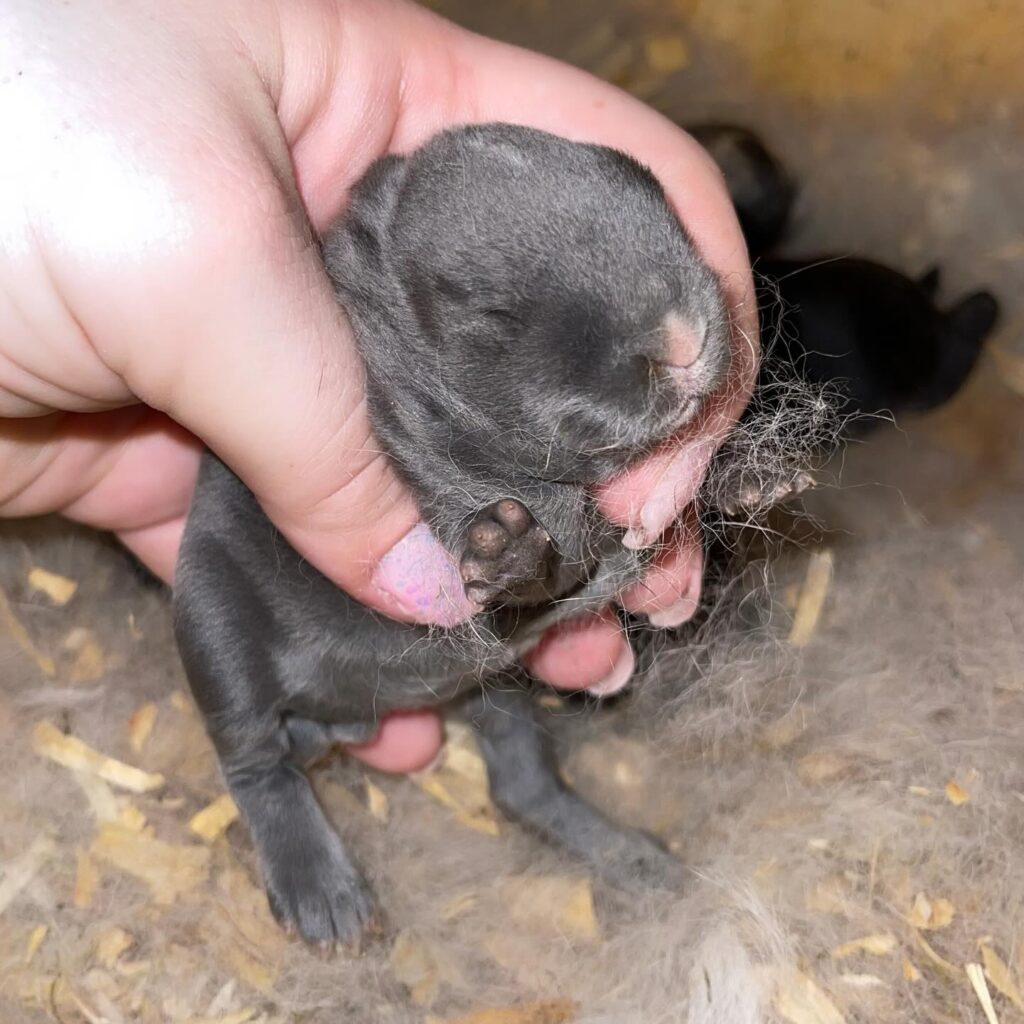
{"x": 999, "y": 974}
{"x": 942, "y": 963}
{"x": 133, "y": 968}
{"x": 666, "y": 54}
{"x": 976, "y": 976}
{"x": 20, "y": 871}
{"x": 59, "y": 589}
{"x": 20, "y": 636}
{"x": 245, "y": 1016}
{"x": 784, "y": 731}
{"x": 862, "y": 980}
{"x": 140, "y": 726}
{"x": 551, "y": 701}
{"x": 111, "y": 945}
{"x": 822, "y": 767}
{"x": 70, "y": 752}
{"x": 812, "y": 598}
{"x": 180, "y": 701}
{"x": 170, "y": 870}
{"x": 245, "y": 907}
{"x": 131, "y": 818}
{"x": 547, "y": 1011}
{"x": 87, "y": 877}
{"x": 462, "y": 904}
{"x": 877, "y": 945}
{"x": 552, "y": 903}
{"x": 956, "y": 794}
{"x": 377, "y": 802}
{"x": 931, "y": 915}
{"x": 36, "y": 938}
{"x": 214, "y": 819}
{"x": 909, "y": 971}
{"x": 800, "y": 1000}
{"x": 460, "y": 782}
{"x": 416, "y": 967}
{"x": 90, "y": 661}
{"x": 104, "y": 803}
{"x": 239, "y": 958}
{"x": 242, "y": 933}
{"x": 831, "y": 896}
{"x": 90, "y": 1015}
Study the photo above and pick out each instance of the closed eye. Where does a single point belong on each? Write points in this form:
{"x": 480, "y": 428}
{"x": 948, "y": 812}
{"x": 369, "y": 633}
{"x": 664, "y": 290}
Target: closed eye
{"x": 504, "y": 316}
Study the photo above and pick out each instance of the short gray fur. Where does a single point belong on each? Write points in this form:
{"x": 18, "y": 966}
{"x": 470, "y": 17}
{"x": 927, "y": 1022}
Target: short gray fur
{"x": 509, "y": 292}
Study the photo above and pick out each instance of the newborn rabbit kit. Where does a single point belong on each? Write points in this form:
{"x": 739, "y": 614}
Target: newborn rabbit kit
{"x": 533, "y": 318}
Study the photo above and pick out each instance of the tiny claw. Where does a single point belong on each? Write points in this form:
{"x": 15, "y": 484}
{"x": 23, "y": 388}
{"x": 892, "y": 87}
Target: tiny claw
{"x": 804, "y": 482}
{"x": 325, "y": 950}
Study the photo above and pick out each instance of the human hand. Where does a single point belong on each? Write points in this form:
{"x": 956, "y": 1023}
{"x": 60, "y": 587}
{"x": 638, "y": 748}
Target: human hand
{"x": 159, "y": 282}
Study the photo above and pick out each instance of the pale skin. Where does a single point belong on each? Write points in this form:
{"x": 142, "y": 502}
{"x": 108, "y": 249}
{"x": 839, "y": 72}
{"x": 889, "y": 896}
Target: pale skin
{"x": 165, "y": 167}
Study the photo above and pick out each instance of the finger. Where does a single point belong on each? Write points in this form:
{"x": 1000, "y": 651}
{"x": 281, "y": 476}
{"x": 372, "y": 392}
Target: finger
{"x": 116, "y": 470}
{"x": 587, "y": 653}
{"x": 651, "y": 495}
{"x": 669, "y": 593}
{"x": 407, "y": 742}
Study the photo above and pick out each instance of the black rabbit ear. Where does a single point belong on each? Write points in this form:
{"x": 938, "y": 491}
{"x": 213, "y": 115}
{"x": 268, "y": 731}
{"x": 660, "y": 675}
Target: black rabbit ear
{"x": 972, "y": 319}
{"x": 930, "y": 281}
{"x": 959, "y": 345}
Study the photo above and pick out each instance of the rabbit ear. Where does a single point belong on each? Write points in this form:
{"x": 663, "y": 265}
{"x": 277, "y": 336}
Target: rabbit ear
{"x": 373, "y": 198}
{"x": 962, "y": 332}
{"x": 971, "y": 320}
{"x": 351, "y": 247}
{"x": 930, "y": 281}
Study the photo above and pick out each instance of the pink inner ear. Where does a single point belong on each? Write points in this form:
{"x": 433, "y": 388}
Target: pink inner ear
{"x": 685, "y": 341}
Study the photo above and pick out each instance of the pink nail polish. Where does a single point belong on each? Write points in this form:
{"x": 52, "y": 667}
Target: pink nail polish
{"x": 620, "y": 674}
{"x": 422, "y": 577}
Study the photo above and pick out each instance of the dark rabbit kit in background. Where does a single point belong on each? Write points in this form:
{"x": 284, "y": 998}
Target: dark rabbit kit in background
{"x": 872, "y": 331}
{"x": 533, "y": 318}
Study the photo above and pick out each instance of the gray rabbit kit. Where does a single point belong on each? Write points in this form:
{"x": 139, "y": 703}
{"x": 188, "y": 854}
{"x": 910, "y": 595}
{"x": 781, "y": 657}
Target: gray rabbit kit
{"x": 532, "y": 317}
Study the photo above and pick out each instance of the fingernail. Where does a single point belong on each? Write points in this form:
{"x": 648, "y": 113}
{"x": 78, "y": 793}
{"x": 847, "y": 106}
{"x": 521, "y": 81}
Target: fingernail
{"x": 676, "y": 489}
{"x": 681, "y": 610}
{"x": 675, "y": 614}
{"x": 620, "y": 674}
{"x": 421, "y": 576}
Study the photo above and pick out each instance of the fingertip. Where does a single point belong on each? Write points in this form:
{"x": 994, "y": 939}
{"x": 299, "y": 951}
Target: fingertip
{"x": 669, "y": 593}
{"x": 407, "y": 742}
{"x": 579, "y": 654}
{"x": 650, "y": 496}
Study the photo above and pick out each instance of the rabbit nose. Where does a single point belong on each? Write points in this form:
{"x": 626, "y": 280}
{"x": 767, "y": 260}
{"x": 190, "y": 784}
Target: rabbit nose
{"x": 684, "y": 342}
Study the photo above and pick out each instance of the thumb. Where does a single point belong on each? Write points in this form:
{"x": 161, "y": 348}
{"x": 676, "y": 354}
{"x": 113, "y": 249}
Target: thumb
{"x": 260, "y": 363}
{"x": 290, "y": 418}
